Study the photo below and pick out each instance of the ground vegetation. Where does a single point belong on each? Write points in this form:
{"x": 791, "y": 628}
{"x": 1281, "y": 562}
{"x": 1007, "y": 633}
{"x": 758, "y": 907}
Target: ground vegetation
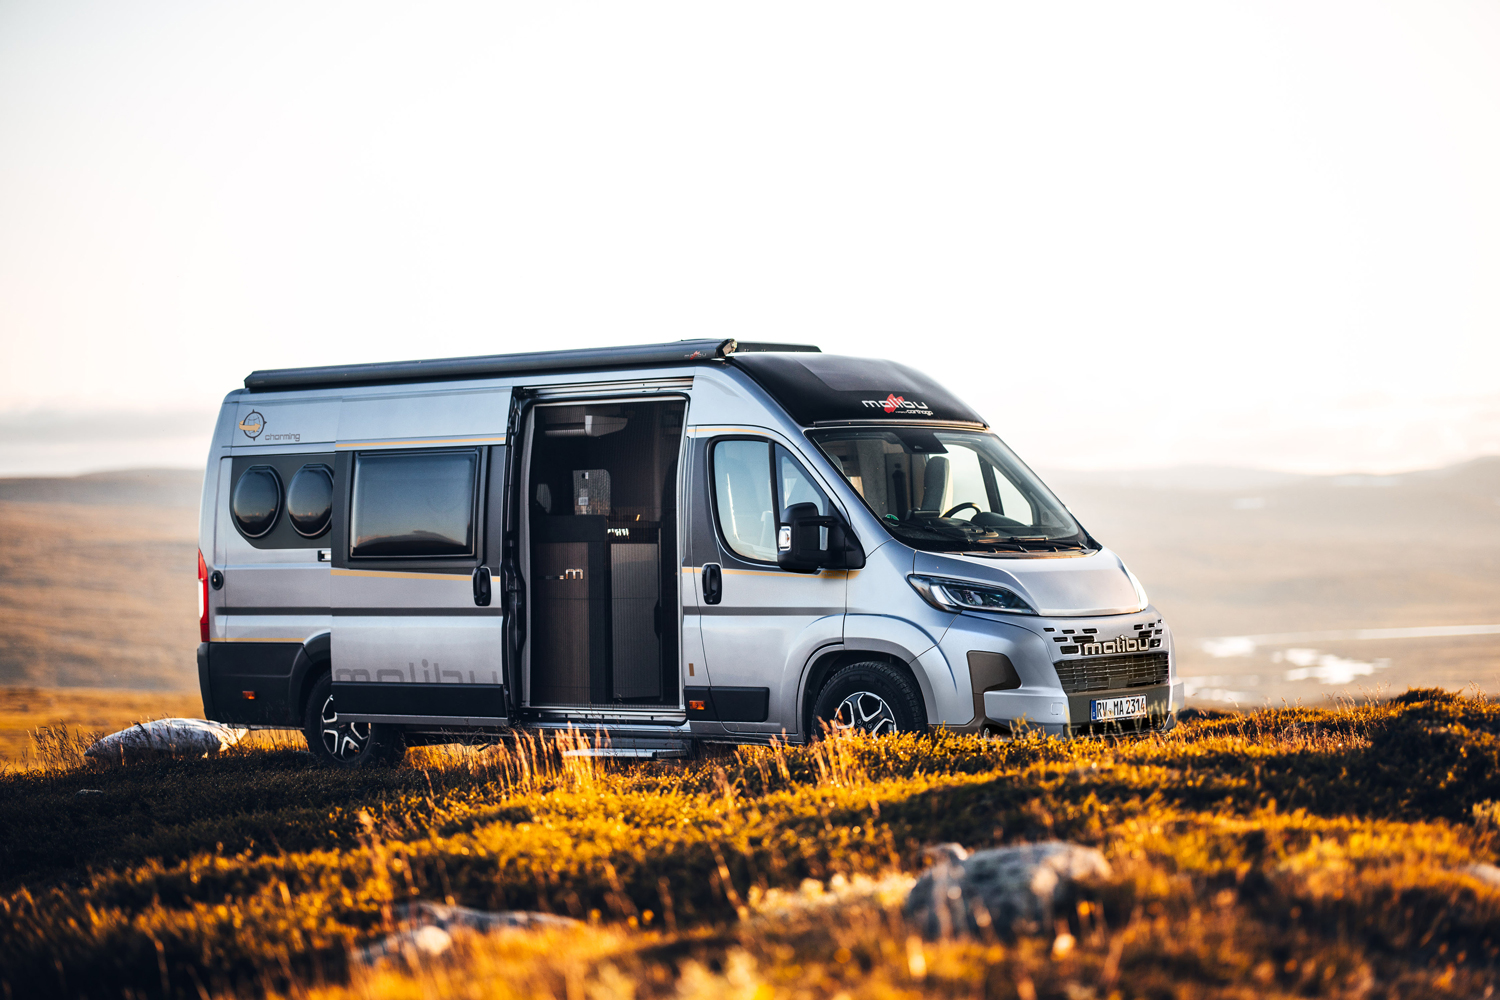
{"x": 1341, "y": 852}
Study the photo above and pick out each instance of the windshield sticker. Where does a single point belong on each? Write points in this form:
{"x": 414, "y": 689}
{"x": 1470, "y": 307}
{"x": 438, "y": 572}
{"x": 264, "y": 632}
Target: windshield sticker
{"x": 893, "y": 403}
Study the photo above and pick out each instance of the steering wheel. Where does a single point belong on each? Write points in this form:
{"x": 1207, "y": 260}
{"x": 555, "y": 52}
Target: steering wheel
{"x": 960, "y": 507}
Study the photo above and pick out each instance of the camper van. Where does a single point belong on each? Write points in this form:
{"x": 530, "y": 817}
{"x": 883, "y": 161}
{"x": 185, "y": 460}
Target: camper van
{"x": 670, "y": 545}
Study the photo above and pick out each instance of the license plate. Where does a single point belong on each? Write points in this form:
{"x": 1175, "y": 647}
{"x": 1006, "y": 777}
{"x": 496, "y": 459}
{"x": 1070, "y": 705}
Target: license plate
{"x": 1112, "y": 709}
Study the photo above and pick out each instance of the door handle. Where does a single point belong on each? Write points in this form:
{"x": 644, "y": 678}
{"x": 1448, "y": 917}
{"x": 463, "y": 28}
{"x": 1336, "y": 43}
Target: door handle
{"x": 515, "y": 607}
{"x": 713, "y": 583}
{"x": 482, "y": 586}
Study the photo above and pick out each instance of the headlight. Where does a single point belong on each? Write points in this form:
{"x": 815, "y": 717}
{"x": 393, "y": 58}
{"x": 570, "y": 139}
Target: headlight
{"x": 956, "y": 595}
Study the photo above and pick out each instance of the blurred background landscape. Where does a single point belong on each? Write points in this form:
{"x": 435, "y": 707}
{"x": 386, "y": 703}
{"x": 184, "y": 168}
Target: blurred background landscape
{"x": 1263, "y": 575}
{"x": 1224, "y": 274}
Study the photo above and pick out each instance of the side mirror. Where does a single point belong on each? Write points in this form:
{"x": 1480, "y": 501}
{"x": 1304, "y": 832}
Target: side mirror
{"x": 800, "y": 545}
{"x": 798, "y": 538}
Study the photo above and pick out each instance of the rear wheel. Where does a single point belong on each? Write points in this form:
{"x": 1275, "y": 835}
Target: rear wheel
{"x": 342, "y": 743}
{"x": 872, "y": 697}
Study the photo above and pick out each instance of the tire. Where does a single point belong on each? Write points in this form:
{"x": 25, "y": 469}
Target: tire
{"x": 872, "y": 696}
{"x": 346, "y": 744}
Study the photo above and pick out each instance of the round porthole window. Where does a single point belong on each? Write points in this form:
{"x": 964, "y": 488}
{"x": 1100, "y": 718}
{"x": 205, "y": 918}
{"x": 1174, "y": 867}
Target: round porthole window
{"x": 309, "y": 500}
{"x": 256, "y": 501}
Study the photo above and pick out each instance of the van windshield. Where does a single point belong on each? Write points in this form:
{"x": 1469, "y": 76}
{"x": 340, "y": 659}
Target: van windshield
{"x": 950, "y": 490}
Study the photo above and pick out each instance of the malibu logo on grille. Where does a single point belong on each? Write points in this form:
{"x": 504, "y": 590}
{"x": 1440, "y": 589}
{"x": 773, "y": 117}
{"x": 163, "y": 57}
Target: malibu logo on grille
{"x": 894, "y": 403}
{"x": 1120, "y": 645}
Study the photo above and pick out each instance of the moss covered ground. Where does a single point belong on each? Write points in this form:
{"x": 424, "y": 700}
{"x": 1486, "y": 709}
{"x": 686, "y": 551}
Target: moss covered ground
{"x": 1288, "y": 852}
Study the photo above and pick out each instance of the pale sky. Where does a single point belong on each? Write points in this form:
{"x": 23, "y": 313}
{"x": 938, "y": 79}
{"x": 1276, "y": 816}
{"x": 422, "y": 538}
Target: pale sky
{"x": 1132, "y": 235}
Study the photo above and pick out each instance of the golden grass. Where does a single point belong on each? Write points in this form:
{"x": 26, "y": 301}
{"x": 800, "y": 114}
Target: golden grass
{"x": 1290, "y": 852}
{"x": 79, "y": 714}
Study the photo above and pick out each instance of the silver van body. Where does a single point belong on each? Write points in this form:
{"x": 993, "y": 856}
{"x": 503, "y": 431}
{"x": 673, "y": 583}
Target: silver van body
{"x": 543, "y": 541}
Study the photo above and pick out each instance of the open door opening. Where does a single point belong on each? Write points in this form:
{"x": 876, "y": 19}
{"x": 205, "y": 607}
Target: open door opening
{"x": 601, "y": 518}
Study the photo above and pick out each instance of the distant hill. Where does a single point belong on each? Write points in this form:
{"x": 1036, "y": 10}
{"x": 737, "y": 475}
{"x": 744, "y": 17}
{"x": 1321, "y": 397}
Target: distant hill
{"x": 155, "y": 487}
{"x": 1186, "y": 478}
{"x": 97, "y": 578}
{"x": 1230, "y": 552}
{"x": 97, "y": 573}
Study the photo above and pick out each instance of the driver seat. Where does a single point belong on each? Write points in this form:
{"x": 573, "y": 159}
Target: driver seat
{"x": 934, "y": 484}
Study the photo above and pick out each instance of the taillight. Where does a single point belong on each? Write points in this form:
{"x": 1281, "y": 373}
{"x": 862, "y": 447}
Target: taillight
{"x": 202, "y": 598}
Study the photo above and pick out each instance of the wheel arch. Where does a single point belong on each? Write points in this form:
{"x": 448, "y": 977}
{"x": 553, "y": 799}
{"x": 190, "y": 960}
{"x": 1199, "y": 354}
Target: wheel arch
{"x": 313, "y": 660}
{"x": 830, "y": 661}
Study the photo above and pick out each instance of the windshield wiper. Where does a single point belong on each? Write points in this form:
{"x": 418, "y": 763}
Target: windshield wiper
{"x": 1029, "y": 544}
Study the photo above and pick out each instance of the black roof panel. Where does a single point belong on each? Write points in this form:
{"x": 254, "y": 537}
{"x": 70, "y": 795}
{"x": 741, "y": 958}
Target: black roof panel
{"x": 826, "y": 388}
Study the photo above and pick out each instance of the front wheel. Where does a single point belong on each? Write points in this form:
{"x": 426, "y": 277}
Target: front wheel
{"x": 342, "y": 743}
{"x": 872, "y": 697}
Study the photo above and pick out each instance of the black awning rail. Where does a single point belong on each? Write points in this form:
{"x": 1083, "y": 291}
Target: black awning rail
{"x": 681, "y": 352}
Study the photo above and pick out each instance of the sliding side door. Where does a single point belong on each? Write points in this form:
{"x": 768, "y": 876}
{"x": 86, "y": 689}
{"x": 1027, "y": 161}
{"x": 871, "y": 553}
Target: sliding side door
{"x": 416, "y": 639}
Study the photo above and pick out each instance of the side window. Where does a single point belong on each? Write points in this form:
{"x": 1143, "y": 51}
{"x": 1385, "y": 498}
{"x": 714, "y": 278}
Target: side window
{"x": 795, "y": 484}
{"x": 309, "y": 500}
{"x": 414, "y": 504}
{"x": 742, "y": 498}
{"x": 256, "y": 500}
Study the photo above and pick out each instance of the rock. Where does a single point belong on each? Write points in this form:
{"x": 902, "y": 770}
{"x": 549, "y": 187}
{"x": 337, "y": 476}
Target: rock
{"x": 426, "y": 929}
{"x": 416, "y": 943}
{"x": 88, "y": 791}
{"x": 1016, "y": 889}
{"x": 431, "y": 914}
{"x": 164, "y": 738}
{"x": 1484, "y": 872}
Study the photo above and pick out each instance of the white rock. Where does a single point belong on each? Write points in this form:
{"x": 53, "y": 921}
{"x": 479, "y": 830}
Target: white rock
{"x": 1012, "y": 889}
{"x": 165, "y": 738}
{"x": 426, "y": 927}
{"x": 1484, "y": 872}
{"x": 415, "y": 943}
{"x": 447, "y": 917}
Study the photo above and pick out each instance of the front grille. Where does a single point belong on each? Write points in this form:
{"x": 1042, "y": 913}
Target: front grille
{"x": 1108, "y": 673}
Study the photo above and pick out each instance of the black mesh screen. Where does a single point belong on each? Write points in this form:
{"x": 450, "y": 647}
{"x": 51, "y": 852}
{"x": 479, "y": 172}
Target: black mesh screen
{"x": 1109, "y": 673}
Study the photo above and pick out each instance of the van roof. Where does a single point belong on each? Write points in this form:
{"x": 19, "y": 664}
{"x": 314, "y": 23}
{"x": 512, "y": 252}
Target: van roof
{"x": 681, "y": 352}
{"x": 827, "y": 389}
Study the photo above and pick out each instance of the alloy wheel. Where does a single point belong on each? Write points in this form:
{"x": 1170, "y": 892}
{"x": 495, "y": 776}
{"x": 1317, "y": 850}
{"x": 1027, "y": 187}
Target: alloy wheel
{"x": 867, "y": 712}
{"x": 344, "y": 740}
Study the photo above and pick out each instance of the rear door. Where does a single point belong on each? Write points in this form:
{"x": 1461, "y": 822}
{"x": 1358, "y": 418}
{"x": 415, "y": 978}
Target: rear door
{"x": 411, "y": 642}
{"x": 272, "y": 543}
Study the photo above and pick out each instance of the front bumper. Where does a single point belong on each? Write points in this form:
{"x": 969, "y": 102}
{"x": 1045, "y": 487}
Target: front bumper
{"x": 1064, "y": 664}
{"x": 1057, "y": 713}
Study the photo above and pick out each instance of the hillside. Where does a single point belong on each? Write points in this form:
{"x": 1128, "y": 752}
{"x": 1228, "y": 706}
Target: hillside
{"x": 96, "y": 574}
{"x": 1283, "y": 853}
{"x": 97, "y": 578}
{"x": 1229, "y": 552}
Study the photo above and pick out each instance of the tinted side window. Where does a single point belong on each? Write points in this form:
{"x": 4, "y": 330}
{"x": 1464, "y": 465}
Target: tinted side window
{"x": 309, "y": 500}
{"x": 795, "y": 484}
{"x": 414, "y": 504}
{"x": 742, "y": 496}
{"x": 256, "y": 500}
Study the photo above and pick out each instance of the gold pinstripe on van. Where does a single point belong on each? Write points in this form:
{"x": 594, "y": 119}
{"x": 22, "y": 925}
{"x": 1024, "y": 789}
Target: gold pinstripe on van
{"x": 768, "y": 572}
{"x": 381, "y": 574}
{"x": 413, "y": 444}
